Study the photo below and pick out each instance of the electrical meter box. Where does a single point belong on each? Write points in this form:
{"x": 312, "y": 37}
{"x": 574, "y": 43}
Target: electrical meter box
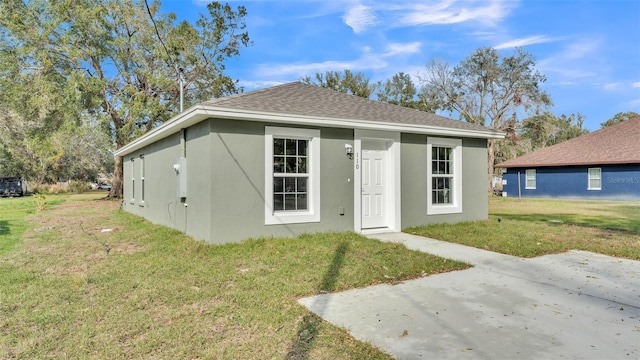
{"x": 180, "y": 168}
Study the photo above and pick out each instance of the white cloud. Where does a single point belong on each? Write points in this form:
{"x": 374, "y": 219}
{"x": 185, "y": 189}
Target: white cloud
{"x": 359, "y": 18}
{"x": 636, "y": 84}
{"x": 367, "y": 62}
{"x": 633, "y": 104}
{"x": 582, "y": 48}
{"x": 574, "y": 61}
{"x": 250, "y": 85}
{"x": 612, "y": 86}
{"x": 453, "y": 12}
{"x": 536, "y": 39}
{"x": 400, "y": 49}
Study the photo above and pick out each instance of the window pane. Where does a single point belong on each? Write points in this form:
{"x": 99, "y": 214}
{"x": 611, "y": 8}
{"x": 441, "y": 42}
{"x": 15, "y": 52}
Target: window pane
{"x": 442, "y": 153}
{"x": 291, "y": 147}
{"x": 302, "y": 147}
{"x": 530, "y": 179}
{"x": 291, "y": 165}
{"x": 441, "y": 190}
{"x": 302, "y": 201}
{"x": 290, "y": 202}
{"x": 278, "y": 185}
{"x": 278, "y": 164}
{"x": 278, "y": 147}
{"x": 278, "y": 202}
{"x": 290, "y": 184}
{"x": 302, "y": 165}
{"x": 442, "y": 167}
{"x": 302, "y": 185}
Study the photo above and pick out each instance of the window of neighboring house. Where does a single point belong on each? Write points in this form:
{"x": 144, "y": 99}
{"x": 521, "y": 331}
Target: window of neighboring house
{"x": 595, "y": 178}
{"x": 292, "y": 175}
{"x": 133, "y": 180}
{"x": 445, "y": 176}
{"x": 530, "y": 179}
{"x": 141, "y": 180}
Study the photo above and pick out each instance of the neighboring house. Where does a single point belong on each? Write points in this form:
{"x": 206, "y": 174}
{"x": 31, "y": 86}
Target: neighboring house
{"x": 298, "y": 158}
{"x": 604, "y": 164}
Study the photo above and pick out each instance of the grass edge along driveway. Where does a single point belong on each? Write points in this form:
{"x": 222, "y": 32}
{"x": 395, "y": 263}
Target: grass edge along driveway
{"x": 87, "y": 280}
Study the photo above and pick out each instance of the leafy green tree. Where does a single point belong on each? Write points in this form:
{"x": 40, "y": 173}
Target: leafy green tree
{"x": 546, "y": 129}
{"x": 619, "y": 117}
{"x": 77, "y": 151}
{"x": 400, "y": 90}
{"x": 346, "y": 82}
{"x": 120, "y": 60}
{"x": 487, "y": 89}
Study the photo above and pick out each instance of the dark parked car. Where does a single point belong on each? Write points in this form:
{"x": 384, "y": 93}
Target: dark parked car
{"x": 11, "y": 186}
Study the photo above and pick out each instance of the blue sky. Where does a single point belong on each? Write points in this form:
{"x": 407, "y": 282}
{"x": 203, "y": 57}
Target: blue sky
{"x": 588, "y": 50}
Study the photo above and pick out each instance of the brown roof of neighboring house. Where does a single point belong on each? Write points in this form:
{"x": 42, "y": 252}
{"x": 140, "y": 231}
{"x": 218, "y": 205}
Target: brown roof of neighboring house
{"x": 615, "y": 144}
{"x": 301, "y": 99}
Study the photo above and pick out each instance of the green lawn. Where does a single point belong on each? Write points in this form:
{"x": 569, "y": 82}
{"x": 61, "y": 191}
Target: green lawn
{"x": 83, "y": 279}
{"x": 13, "y": 212}
{"x": 534, "y": 227}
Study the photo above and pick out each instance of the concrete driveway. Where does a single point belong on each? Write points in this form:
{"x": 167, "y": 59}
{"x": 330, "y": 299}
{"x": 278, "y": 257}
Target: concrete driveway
{"x": 575, "y": 305}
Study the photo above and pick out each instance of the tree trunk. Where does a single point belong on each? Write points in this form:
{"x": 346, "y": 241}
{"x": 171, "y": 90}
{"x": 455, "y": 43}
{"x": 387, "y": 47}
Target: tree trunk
{"x": 116, "y": 184}
{"x": 491, "y": 157}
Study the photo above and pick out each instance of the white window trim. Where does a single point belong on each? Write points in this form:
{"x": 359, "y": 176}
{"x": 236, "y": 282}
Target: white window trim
{"x": 589, "y": 179}
{"x": 456, "y": 206}
{"x": 133, "y": 181}
{"x": 312, "y": 214}
{"x": 142, "y": 185}
{"x": 535, "y": 180}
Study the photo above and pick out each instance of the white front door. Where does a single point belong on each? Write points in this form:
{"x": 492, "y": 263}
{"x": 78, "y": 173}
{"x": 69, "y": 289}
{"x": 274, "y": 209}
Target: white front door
{"x": 374, "y": 184}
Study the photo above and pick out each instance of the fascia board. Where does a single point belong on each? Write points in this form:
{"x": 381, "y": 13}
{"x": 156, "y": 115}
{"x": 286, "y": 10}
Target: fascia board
{"x": 199, "y": 113}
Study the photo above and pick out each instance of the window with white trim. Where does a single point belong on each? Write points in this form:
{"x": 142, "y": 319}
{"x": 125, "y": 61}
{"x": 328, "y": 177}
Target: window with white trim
{"x": 133, "y": 180}
{"x": 141, "y": 180}
{"x": 595, "y": 178}
{"x": 445, "y": 176}
{"x": 292, "y": 175}
{"x": 530, "y": 179}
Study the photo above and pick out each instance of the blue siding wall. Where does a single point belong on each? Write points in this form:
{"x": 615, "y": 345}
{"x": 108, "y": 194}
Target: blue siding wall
{"x": 619, "y": 182}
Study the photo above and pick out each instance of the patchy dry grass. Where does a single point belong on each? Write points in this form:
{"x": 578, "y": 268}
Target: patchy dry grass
{"x": 534, "y": 227}
{"x": 86, "y": 280}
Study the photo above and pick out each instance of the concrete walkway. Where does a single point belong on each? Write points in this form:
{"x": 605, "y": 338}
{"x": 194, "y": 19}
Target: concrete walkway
{"x": 575, "y": 305}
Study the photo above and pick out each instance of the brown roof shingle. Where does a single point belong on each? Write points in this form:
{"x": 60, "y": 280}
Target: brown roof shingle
{"x": 301, "y": 99}
{"x": 615, "y": 144}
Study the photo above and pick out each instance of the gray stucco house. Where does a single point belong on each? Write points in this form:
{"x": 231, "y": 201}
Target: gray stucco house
{"x": 298, "y": 158}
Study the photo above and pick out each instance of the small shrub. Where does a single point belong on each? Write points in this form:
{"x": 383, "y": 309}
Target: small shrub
{"x": 78, "y": 187}
{"x": 55, "y": 189}
{"x": 40, "y": 201}
{"x": 37, "y": 188}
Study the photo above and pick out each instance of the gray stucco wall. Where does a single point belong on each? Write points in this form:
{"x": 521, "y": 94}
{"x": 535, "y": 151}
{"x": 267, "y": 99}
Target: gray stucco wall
{"x": 414, "y": 182}
{"x": 162, "y": 205}
{"x": 238, "y": 178}
{"x": 226, "y": 182}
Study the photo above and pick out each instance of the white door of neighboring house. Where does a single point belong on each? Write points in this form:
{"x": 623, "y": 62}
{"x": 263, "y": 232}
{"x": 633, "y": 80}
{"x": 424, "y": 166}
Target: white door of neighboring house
{"x": 374, "y": 184}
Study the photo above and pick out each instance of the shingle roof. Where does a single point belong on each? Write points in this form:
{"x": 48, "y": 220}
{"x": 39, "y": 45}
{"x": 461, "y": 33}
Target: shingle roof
{"x": 301, "y": 99}
{"x": 615, "y": 144}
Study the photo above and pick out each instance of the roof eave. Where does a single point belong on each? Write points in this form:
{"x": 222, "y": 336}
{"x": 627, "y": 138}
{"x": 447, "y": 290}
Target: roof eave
{"x": 201, "y": 112}
{"x": 583, "y": 163}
